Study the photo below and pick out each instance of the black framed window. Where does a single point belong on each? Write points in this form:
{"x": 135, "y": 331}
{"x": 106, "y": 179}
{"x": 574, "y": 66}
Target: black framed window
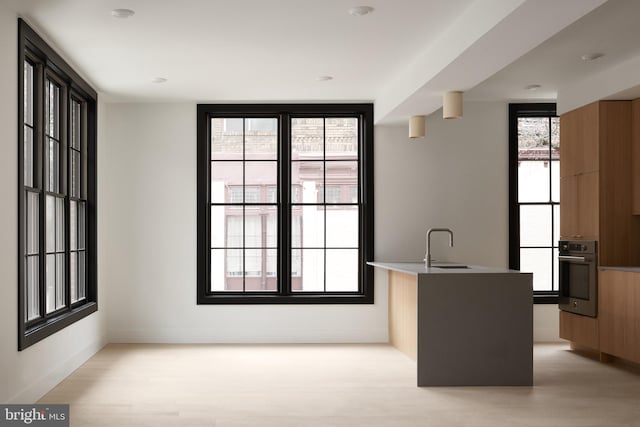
{"x": 285, "y": 203}
{"x": 57, "y": 269}
{"x": 534, "y": 196}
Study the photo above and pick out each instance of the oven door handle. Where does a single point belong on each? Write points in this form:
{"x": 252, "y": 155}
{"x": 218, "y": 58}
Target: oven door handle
{"x": 571, "y": 258}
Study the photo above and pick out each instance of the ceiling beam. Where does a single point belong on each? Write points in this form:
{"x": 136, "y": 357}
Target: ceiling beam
{"x": 487, "y": 37}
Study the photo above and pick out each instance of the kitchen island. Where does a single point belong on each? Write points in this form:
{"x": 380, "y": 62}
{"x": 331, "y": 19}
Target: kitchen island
{"x": 463, "y": 325}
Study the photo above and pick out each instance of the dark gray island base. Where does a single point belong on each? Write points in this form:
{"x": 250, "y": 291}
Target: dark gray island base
{"x": 463, "y": 326}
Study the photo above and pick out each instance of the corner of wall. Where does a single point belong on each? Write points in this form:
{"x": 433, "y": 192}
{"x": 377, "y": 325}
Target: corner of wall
{"x": 40, "y": 386}
{"x": 546, "y": 323}
{"x": 27, "y": 375}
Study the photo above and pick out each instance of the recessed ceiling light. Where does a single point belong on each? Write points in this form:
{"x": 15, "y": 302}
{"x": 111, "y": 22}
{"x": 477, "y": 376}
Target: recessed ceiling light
{"x": 324, "y": 78}
{"x": 158, "y": 80}
{"x": 532, "y": 87}
{"x": 591, "y": 56}
{"x": 122, "y": 13}
{"x": 360, "y": 10}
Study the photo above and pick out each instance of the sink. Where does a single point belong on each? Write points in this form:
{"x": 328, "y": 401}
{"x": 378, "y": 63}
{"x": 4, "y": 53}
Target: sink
{"x": 448, "y": 265}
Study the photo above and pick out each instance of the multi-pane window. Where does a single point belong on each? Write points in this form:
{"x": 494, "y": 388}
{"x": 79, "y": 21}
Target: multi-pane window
{"x": 31, "y": 198}
{"x": 535, "y": 195}
{"x": 287, "y": 190}
{"x": 57, "y": 231}
{"x": 243, "y": 167}
{"x": 55, "y": 219}
{"x": 324, "y": 160}
{"x": 77, "y": 204}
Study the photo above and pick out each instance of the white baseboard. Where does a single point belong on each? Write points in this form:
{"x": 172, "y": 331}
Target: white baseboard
{"x": 49, "y": 380}
{"x": 542, "y": 335}
{"x": 247, "y": 336}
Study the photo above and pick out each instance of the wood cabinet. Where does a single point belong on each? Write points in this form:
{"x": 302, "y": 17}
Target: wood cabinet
{"x": 403, "y": 317}
{"x": 619, "y": 313}
{"x": 579, "y": 211}
{"x": 595, "y": 181}
{"x": 581, "y": 128}
{"x": 599, "y": 194}
{"x": 635, "y": 154}
{"x": 579, "y": 329}
{"x": 568, "y": 205}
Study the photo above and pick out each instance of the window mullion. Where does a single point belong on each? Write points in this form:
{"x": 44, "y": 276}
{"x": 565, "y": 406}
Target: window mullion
{"x": 243, "y": 265}
{"x": 66, "y": 132}
{"x": 42, "y": 167}
{"x": 360, "y": 196}
{"x": 284, "y": 205}
{"x": 550, "y": 163}
{"x": 550, "y": 137}
{"x": 324, "y": 201}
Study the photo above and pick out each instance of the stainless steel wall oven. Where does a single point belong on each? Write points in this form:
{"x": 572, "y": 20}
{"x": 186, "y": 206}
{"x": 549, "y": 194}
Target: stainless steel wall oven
{"x": 578, "y": 272}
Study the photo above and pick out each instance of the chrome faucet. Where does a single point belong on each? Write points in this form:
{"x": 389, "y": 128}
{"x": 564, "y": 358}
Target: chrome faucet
{"x": 431, "y": 230}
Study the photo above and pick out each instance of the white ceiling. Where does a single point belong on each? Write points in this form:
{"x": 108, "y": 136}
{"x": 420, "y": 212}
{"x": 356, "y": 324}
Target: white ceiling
{"x": 403, "y": 56}
{"x": 612, "y": 29}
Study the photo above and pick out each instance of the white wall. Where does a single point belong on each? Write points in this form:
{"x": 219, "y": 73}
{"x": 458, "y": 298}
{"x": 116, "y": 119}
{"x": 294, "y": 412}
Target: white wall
{"x": 150, "y": 168}
{"x": 456, "y": 177}
{"x": 27, "y": 375}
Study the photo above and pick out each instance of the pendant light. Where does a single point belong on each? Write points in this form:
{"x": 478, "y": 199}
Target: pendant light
{"x": 452, "y": 105}
{"x": 416, "y": 127}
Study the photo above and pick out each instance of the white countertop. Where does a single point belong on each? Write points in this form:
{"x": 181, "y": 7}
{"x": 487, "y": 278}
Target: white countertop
{"x": 419, "y": 268}
{"x": 630, "y": 269}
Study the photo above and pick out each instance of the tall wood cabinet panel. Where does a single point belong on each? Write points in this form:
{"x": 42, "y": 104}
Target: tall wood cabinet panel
{"x": 403, "y": 313}
{"x": 596, "y": 203}
{"x": 618, "y": 227}
{"x": 568, "y": 205}
{"x": 588, "y": 214}
{"x": 595, "y": 181}
{"x": 578, "y": 329}
{"x": 579, "y": 172}
{"x": 635, "y": 154}
{"x": 579, "y": 211}
{"x": 619, "y": 313}
{"x": 581, "y": 128}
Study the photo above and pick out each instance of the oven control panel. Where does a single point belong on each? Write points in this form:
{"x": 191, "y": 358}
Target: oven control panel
{"x": 577, "y": 247}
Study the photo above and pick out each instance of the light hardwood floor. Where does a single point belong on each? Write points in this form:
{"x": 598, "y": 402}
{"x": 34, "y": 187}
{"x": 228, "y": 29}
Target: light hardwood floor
{"x": 332, "y": 385}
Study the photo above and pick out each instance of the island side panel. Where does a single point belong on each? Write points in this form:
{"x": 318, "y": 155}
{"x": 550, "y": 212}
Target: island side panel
{"x": 475, "y": 329}
{"x": 403, "y": 312}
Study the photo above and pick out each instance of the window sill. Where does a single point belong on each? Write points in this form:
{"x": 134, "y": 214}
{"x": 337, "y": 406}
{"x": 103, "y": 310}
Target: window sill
{"x": 285, "y": 299}
{"x": 53, "y": 325}
{"x": 545, "y": 299}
